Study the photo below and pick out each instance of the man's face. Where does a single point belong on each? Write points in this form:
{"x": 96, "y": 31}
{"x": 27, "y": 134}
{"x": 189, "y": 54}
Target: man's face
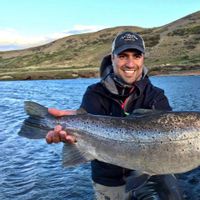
{"x": 128, "y": 65}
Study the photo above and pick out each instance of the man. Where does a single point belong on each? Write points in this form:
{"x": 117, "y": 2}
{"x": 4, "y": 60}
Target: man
{"x": 124, "y": 87}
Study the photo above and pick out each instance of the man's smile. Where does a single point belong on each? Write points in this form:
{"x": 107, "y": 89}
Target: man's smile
{"x": 129, "y": 72}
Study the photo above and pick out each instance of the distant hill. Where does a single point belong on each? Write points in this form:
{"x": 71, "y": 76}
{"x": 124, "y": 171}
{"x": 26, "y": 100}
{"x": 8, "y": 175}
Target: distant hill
{"x": 174, "y": 47}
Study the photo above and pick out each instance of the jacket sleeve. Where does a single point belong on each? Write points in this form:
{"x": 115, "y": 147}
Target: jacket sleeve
{"x": 92, "y": 102}
{"x": 160, "y": 101}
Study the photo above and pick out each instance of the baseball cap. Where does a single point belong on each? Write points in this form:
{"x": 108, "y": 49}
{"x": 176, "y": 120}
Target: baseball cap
{"x": 127, "y": 40}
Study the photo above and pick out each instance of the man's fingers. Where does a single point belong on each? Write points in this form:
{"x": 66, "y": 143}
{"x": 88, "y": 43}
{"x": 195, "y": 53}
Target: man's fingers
{"x": 63, "y": 136}
{"x": 58, "y": 135}
{"x": 56, "y": 138}
{"x": 49, "y": 137}
{"x": 59, "y": 113}
{"x": 58, "y": 128}
{"x": 71, "y": 139}
{"x": 55, "y": 112}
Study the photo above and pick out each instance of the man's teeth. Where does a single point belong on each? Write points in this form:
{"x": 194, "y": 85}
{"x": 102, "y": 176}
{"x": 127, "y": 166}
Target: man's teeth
{"x": 129, "y": 71}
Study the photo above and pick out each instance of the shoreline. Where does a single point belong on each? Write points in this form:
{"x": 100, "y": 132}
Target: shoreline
{"x": 178, "y": 73}
{"x": 83, "y": 74}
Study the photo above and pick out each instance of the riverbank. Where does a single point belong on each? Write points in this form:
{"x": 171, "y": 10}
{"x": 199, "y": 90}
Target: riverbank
{"x": 179, "y": 73}
{"x": 83, "y": 73}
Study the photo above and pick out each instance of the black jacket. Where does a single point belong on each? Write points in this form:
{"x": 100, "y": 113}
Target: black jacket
{"x": 99, "y": 100}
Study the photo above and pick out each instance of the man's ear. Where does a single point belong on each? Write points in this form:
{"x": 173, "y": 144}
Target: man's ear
{"x": 112, "y": 57}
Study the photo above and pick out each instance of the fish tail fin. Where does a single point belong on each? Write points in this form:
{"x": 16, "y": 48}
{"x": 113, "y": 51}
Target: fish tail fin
{"x": 33, "y": 108}
{"x": 37, "y": 124}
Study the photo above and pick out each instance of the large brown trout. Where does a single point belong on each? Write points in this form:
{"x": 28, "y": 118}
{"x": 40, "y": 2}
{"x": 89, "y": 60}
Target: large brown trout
{"x": 154, "y": 143}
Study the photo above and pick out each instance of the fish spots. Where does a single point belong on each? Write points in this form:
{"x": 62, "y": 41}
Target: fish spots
{"x": 120, "y": 129}
{"x": 139, "y": 132}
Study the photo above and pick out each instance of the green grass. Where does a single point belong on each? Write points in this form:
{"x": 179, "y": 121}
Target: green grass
{"x": 172, "y": 44}
{"x": 185, "y": 31}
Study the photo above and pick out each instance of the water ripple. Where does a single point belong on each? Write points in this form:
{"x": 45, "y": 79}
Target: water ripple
{"x": 31, "y": 169}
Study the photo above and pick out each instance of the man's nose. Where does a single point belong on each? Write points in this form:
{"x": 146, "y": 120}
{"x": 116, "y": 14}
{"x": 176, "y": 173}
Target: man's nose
{"x": 130, "y": 62}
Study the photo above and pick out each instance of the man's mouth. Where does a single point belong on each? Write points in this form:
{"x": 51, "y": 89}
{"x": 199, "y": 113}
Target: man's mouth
{"x": 129, "y": 71}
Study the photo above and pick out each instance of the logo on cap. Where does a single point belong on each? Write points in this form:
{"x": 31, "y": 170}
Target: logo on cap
{"x": 129, "y": 37}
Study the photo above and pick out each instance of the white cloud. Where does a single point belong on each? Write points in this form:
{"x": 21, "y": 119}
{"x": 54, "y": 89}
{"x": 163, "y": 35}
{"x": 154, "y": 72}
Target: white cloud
{"x": 11, "y": 39}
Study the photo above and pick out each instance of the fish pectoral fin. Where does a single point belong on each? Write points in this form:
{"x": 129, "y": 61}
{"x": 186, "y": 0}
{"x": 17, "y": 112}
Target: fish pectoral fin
{"x": 72, "y": 156}
{"x": 136, "y": 180}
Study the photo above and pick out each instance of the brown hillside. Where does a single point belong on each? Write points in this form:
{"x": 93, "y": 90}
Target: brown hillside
{"x": 173, "y": 46}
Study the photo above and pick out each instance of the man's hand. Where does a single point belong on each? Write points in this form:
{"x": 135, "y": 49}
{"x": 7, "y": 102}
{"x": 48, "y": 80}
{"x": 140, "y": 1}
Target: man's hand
{"x": 58, "y": 134}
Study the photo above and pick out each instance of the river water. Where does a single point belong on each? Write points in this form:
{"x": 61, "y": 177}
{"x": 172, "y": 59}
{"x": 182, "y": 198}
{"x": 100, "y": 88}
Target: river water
{"x": 31, "y": 169}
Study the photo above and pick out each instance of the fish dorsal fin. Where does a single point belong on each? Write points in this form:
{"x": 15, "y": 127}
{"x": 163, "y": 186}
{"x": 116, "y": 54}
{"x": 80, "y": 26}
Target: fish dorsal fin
{"x": 81, "y": 111}
{"x": 72, "y": 156}
{"x": 143, "y": 112}
{"x": 33, "y": 108}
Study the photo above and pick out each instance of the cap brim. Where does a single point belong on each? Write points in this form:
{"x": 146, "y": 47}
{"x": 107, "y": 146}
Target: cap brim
{"x": 126, "y": 47}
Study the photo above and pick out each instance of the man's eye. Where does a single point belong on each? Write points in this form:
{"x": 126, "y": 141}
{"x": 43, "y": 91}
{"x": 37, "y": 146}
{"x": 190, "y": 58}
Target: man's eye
{"x": 121, "y": 57}
{"x": 138, "y": 56}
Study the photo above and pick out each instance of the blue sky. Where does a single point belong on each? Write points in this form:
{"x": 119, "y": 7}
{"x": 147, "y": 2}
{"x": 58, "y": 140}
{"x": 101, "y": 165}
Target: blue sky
{"x": 26, "y": 23}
